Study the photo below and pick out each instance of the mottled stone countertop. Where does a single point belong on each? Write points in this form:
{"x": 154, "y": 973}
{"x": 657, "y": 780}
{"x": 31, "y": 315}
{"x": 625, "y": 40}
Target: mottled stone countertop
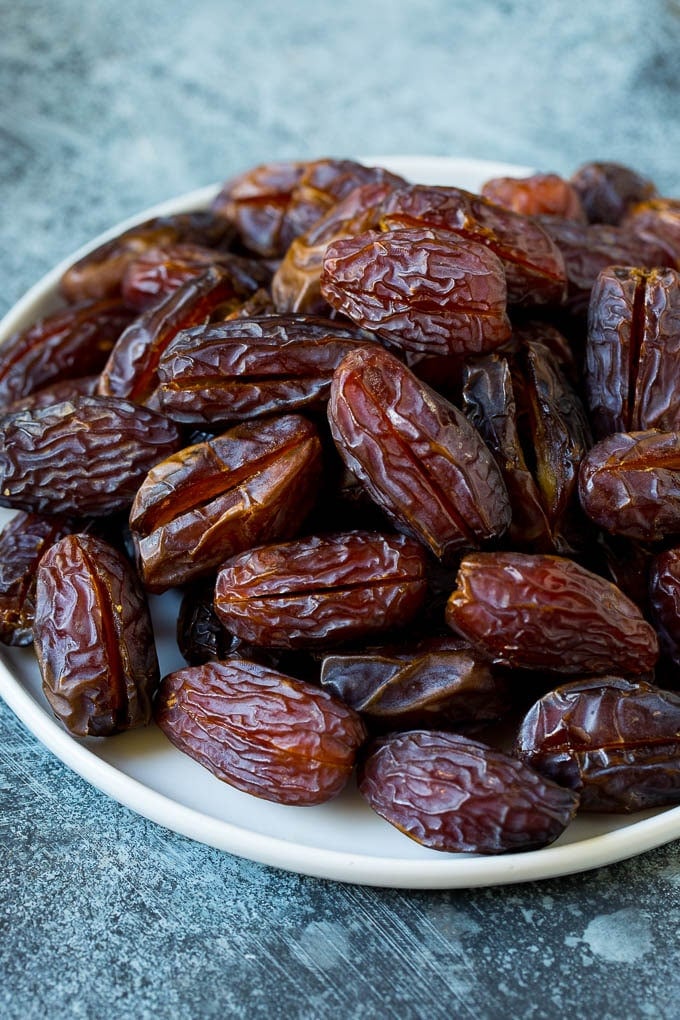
{"x": 110, "y": 107}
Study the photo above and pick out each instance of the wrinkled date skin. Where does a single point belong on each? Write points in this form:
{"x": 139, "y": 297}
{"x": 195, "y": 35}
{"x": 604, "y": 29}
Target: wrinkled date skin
{"x": 658, "y": 222}
{"x": 250, "y": 368}
{"x": 633, "y": 351}
{"x": 22, "y": 544}
{"x": 417, "y": 456}
{"x": 100, "y": 273}
{"x": 537, "y": 195}
{"x": 547, "y": 612}
{"x": 436, "y": 687}
{"x": 615, "y": 741}
{"x": 161, "y": 271}
{"x": 422, "y": 290}
{"x": 55, "y": 393}
{"x": 93, "y": 638}
{"x": 664, "y": 597}
{"x": 261, "y": 731}
{"x": 536, "y": 427}
{"x": 296, "y": 286}
{"x": 451, "y": 793}
{"x": 132, "y": 368}
{"x": 321, "y": 591}
{"x": 607, "y": 190}
{"x": 532, "y": 263}
{"x": 73, "y": 342}
{"x": 629, "y": 484}
{"x": 253, "y": 484}
{"x": 84, "y": 457}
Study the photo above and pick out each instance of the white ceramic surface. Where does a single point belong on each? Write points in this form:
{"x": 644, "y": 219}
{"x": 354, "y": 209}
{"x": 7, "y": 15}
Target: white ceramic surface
{"x": 342, "y": 840}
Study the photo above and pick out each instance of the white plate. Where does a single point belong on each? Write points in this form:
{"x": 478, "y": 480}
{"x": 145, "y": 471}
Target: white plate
{"x": 342, "y": 840}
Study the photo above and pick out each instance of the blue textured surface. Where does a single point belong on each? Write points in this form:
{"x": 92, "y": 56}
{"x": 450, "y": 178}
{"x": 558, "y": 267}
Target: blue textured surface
{"x": 110, "y": 107}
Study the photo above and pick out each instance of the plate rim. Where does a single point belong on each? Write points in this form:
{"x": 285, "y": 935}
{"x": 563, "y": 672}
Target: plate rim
{"x": 449, "y": 872}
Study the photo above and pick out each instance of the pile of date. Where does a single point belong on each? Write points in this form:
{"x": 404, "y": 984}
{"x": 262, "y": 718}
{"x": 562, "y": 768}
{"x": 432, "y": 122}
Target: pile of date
{"x": 411, "y": 455}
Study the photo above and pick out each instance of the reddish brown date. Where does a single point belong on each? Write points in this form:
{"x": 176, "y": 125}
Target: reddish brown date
{"x": 658, "y": 222}
{"x": 261, "y": 731}
{"x": 55, "y": 393}
{"x": 422, "y": 290}
{"x": 444, "y": 684}
{"x": 253, "y": 484}
{"x": 321, "y": 591}
{"x": 22, "y": 544}
{"x": 250, "y": 368}
{"x": 100, "y": 273}
{"x": 664, "y": 598}
{"x": 615, "y": 741}
{"x": 84, "y": 457}
{"x": 451, "y": 793}
{"x": 93, "y": 638}
{"x": 629, "y": 484}
{"x": 161, "y": 271}
{"x": 549, "y": 613}
{"x": 532, "y": 263}
{"x": 537, "y": 195}
{"x": 415, "y": 454}
{"x": 73, "y": 342}
{"x": 633, "y": 351}
{"x": 607, "y": 190}
{"x": 132, "y": 368}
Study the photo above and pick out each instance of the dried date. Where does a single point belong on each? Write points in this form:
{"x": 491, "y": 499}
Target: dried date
{"x": 664, "y": 598}
{"x": 537, "y": 195}
{"x": 261, "y": 731}
{"x": 451, "y": 793}
{"x": 93, "y": 638}
{"x": 548, "y": 613}
{"x": 607, "y": 190}
{"x": 319, "y": 592}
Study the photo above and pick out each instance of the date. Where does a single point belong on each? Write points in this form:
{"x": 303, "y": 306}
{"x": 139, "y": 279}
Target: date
{"x": 607, "y": 190}
{"x": 451, "y": 793}
{"x": 93, "y": 638}
{"x": 261, "y": 731}
{"x": 537, "y": 195}
{"x": 534, "y": 611}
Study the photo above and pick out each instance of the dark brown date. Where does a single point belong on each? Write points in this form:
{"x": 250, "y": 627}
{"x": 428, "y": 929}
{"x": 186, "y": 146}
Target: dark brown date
{"x": 633, "y": 350}
{"x": 415, "y": 454}
{"x": 22, "y": 544}
{"x": 537, "y": 195}
{"x": 296, "y": 286}
{"x": 261, "y": 731}
{"x": 615, "y": 741}
{"x": 451, "y": 793}
{"x": 664, "y": 598}
{"x": 161, "y": 271}
{"x": 249, "y": 368}
{"x": 100, "y": 273}
{"x": 55, "y": 393}
{"x": 436, "y": 687}
{"x": 321, "y": 591}
{"x": 547, "y": 612}
{"x": 132, "y": 368}
{"x": 658, "y": 222}
{"x": 253, "y": 484}
{"x": 84, "y": 457}
{"x": 629, "y": 484}
{"x": 533, "y": 266}
{"x": 255, "y": 202}
{"x": 422, "y": 290}
{"x": 607, "y": 190}
{"x": 72, "y": 342}
{"x": 93, "y": 638}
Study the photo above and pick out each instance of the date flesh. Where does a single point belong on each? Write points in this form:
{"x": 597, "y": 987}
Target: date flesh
{"x": 546, "y": 612}
{"x": 615, "y": 741}
{"x": 421, "y": 290}
{"x": 260, "y": 731}
{"x": 93, "y": 638}
{"x": 319, "y": 592}
{"x": 451, "y": 793}
{"x": 632, "y": 367}
{"x": 416, "y": 455}
{"x": 85, "y": 457}
{"x": 253, "y": 484}
{"x": 629, "y": 484}
{"x": 250, "y": 368}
